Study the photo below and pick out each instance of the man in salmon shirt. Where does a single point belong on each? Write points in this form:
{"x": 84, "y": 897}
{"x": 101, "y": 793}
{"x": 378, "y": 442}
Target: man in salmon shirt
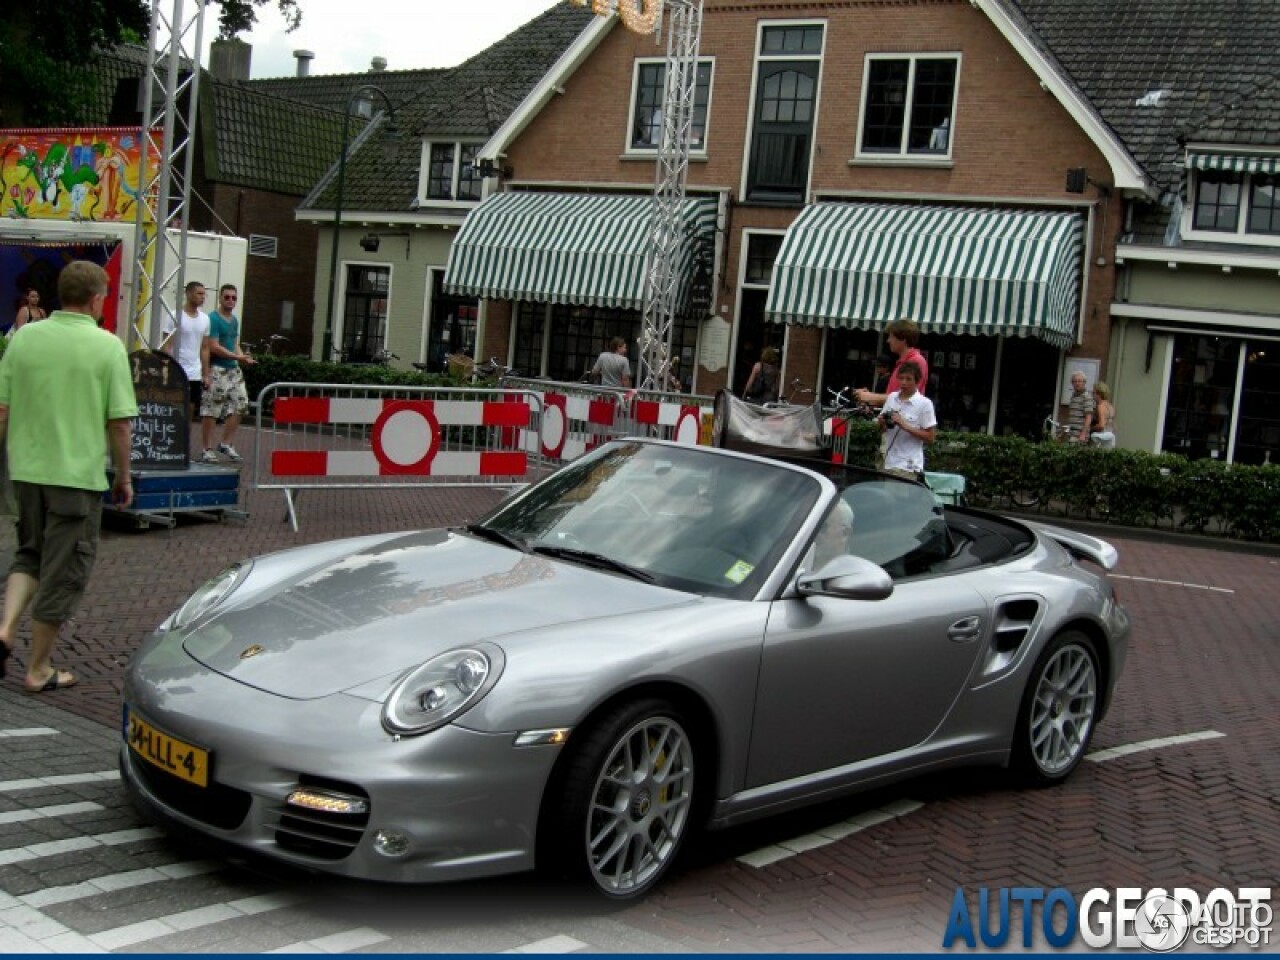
{"x": 902, "y": 336}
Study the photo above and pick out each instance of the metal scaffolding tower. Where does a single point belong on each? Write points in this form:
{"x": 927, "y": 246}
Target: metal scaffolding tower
{"x": 166, "y": 156}
{"x": 666, "y": 229}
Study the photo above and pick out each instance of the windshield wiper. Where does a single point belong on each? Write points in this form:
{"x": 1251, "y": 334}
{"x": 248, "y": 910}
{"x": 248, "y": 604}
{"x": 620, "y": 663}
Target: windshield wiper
{"x": 593, "y": 560}
{"x": 497, "y": 536}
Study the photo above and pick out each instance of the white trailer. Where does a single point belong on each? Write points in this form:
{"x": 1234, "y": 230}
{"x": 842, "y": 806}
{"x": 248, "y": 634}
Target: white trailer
{"x": 212, "y": 258}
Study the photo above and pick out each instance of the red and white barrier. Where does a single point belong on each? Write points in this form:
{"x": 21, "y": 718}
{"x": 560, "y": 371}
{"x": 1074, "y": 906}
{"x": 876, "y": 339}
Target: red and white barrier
{"x": 405, "y": 439}
{"x": 572, "y": 424}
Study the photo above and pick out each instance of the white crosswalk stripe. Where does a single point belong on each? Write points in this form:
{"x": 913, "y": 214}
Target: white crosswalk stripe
{"x": 118, "y": 881}
{"x": 134, "y": 933}
{"x": 836, "y": 831}
{"x": 51, "y": 812}
{"x": 1142, "y": 745}
{"x": 14, "y": 732}
{"x": 343, "y": 942}
{"x": 556, "y": 944}
{"x": 53, "y": 848}
{"x": 62, "y": 780}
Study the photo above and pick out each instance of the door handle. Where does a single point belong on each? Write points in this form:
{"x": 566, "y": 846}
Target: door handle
{"x": 962, "y": 631}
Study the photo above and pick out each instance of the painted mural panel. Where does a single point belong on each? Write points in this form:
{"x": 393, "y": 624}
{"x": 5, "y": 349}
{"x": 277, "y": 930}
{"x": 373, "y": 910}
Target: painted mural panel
{"x": 70, "y": 174}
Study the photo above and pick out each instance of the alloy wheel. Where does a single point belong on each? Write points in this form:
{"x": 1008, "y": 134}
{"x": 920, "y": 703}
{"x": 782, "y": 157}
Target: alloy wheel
{"x": 1064, "y": 709}
{"x": 640, "y": 805}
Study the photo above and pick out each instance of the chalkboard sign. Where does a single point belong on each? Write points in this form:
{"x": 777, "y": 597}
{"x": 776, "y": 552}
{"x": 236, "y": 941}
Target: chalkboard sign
{"x": 161, "y": 438}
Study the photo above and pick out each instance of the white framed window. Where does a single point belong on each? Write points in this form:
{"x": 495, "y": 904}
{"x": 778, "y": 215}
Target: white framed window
{"x": 784, "y": 109}
{"x": 450, "y": 174}
{"x": 1234, "y": 207}
{"x": 648, "y": 91}
{"x": 908, "y": 105}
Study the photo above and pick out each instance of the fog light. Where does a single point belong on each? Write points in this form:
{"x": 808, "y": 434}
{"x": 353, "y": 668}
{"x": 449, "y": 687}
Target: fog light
{"x": 389, "y": 843}
{"x": 327, "y": 802}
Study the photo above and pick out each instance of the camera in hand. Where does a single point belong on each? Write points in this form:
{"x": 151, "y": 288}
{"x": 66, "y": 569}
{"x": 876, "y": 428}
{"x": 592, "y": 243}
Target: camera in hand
{"x": 889, "y": 417}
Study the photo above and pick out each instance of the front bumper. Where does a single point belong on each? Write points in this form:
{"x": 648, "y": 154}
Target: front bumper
{"x": 466, "y": 802}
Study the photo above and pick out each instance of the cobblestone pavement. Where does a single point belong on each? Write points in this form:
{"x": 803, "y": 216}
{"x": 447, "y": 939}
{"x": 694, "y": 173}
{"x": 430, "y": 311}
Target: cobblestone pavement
{"x": 80, "y": 871}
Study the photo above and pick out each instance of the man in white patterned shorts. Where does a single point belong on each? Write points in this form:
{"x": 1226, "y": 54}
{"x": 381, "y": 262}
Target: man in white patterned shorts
{"x": 226, "y": 397}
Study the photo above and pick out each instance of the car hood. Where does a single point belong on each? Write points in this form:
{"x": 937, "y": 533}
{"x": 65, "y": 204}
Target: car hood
{"x": 394, "y": 604}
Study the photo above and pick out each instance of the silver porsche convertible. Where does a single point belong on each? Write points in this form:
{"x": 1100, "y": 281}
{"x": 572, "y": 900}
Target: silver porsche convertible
{"x": 653, "y": 640}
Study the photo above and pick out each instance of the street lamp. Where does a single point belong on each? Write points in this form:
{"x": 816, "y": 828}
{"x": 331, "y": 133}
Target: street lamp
{"x": 362, "y": 95}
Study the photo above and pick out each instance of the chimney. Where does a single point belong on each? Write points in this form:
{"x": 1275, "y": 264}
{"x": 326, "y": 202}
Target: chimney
{"x": 304, "y": 58}
{"x": 230, "y": 59}
{"x": 378, "y": 64}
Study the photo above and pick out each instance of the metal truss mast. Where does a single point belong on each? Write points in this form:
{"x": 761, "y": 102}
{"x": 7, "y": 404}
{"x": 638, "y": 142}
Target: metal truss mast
{"x": 667, "y": 231}
{"x": 167, "y": 152}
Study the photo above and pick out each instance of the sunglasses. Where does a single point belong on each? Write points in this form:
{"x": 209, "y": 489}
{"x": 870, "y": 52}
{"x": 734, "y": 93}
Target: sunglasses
{"x": 229, "y": 296}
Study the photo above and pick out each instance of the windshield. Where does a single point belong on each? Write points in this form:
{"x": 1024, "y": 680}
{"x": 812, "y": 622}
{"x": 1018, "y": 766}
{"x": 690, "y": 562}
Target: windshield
{"x": 681, "y": 517}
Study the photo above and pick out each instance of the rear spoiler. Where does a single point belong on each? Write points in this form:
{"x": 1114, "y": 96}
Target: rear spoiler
{"x": 1099, "y": 551}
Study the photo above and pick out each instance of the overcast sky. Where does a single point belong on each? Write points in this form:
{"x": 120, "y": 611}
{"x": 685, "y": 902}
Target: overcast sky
{"x": 346, "y": 34}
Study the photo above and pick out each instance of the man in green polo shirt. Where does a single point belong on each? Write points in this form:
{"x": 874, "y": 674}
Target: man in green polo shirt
{"x": 61, "y": 382}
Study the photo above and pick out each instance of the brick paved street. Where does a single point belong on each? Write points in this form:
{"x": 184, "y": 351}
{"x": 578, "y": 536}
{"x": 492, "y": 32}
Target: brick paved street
{"x": 1204, "y": 814}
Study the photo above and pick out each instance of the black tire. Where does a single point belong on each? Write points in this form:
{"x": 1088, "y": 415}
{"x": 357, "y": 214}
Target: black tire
{"x": 1026, "y": 499}
{"x": 621, "y": 834}
{"x": 721, "y": 412}
{"x": 1059, "y": 711}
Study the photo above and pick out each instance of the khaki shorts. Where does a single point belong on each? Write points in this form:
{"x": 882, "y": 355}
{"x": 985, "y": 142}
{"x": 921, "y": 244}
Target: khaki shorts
{"x": 57, "y": 544}
{"x": 226, "y": 394}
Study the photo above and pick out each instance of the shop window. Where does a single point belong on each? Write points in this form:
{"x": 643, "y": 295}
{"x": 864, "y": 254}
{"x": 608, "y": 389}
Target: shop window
{"x": 1202, "y": 386}
{"x": 452, "y": 325}
{"x": 1258, "y": 423}
{"x": 849, "y": 361}
{"x": 754, "y": 334}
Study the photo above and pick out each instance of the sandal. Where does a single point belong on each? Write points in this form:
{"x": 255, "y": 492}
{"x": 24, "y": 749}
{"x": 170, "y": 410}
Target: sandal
{"x": 55, "y": 682}
{"x": 5, "y": 653}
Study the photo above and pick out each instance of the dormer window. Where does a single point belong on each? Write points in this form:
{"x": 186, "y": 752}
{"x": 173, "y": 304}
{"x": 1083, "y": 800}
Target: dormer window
{"x": 450, "y": 174}
{"x": 1233, "y": 198}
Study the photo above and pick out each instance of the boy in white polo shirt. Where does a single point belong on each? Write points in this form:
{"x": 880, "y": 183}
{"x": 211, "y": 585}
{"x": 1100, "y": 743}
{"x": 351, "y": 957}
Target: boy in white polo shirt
{"x": 908, "y": 421}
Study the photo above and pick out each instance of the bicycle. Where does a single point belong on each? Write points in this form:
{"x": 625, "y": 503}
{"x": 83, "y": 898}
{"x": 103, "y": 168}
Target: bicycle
{"x": 1051, "y": 431}
{"x": 381, "y": 358}
{"x": 796, "y": 387}
{"x": 251, "y": 346}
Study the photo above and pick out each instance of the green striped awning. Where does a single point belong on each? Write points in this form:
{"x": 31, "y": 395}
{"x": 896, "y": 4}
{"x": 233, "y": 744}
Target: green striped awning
{"x": 587, "y": 249}
{"x": 1233, "y": 163}
{"x": 951, "y": 269}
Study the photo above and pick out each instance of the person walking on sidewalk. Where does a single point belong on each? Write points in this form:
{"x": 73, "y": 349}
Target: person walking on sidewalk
{"x": 226, "y": 399}
{"x": 57, "y": 449}
{"x": 184, "y": 339}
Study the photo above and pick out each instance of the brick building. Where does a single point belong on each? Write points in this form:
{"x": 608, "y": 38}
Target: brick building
{"x": 926, "y": 118}
{"x": 970, "y": 163}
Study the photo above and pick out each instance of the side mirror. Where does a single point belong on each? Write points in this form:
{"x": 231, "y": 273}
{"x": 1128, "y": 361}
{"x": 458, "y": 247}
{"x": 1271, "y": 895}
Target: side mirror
{"x": 853, "y": 578}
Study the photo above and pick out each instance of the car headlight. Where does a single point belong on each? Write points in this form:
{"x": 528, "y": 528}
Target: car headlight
{"x": 431, "y": 695}
{"x": 208, "y": 596}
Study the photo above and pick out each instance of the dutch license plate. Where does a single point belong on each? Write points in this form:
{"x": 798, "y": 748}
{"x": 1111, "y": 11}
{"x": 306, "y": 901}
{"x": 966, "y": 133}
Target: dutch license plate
{"x": 183, "y": 760}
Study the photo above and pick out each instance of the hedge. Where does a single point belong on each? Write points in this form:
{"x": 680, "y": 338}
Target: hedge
{"x": 1126, "y": 487}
